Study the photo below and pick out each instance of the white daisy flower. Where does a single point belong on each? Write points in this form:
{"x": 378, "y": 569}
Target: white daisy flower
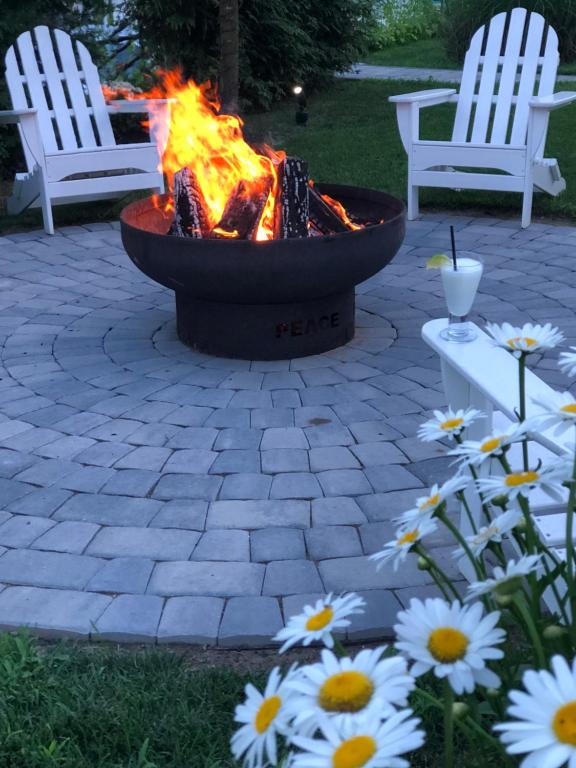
{"x": 406, "y": 538}
{"x": 347, "y": 690}
{"x": 548, "y": 478}
{"x": 475, "y": 452}
{"x": 567, "y": 362}
{"x": 505, "y": 582}
{"x": 545, "y": 727}
{"x": 497, "y": 529}
{"x": 427, "y": 505}
{"x": 263, "y": 717}
{"x": 318, "y": 622}
{"x": 369, "y": 743}
{"x": 447, "y": 424}
{"x": 559, "y": 410}
{"x": 526, "y": 339}
{"x": 453, "y": 640}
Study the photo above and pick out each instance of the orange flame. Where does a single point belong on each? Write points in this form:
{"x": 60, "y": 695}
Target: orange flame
{"x": 213, "y": 147}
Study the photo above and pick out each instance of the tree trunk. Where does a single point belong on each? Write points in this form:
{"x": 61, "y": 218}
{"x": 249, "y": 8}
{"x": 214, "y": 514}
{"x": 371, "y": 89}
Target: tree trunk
{"x": 229, "y": 55}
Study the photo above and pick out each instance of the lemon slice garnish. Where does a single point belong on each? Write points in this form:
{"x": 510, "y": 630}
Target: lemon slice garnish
{"x": 438, "y": 261}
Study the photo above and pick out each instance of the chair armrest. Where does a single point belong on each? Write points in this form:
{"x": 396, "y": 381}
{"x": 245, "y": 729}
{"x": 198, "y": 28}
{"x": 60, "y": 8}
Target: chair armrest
{"x": 554, "y": 101}
{"x": 14, "y": 115}
{"x": 425, "y": 98}
{"x": 125, "y": 106}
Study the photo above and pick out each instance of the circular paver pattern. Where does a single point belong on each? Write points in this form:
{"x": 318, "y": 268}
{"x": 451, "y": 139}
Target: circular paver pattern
{"x": 152, "y": 493}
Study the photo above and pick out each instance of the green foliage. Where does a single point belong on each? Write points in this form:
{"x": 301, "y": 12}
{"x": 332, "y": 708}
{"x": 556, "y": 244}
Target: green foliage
{"x": 280, "y": 43}
{"x": 403, "y": 21}
{"x": 461, "y": 18}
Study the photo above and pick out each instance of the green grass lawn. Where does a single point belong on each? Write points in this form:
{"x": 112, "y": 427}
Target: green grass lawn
{"x": 352, "y": 138}
{"x": 79, "y": 706}
{"x": 429, "y": 54}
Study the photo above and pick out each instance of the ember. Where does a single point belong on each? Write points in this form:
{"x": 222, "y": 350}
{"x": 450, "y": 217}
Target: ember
{"x": 223, "y": 188}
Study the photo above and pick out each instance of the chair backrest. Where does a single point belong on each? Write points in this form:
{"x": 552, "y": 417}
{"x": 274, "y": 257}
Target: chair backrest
{"x": 508, "y": 62}
{"x": 46, "y": 70}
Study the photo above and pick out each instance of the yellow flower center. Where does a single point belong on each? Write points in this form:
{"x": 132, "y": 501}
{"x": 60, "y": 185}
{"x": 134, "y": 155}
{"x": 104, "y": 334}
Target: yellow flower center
{"x": 521, "y": 339}
{"x": 266, "y": 713}
{"x": 432, "y": 501}
{"x": 447, "y": 644}
{"x": 564, "y": 723}
{"x": 451, "y": 424}
{"x": 408, "y": 538}
{"x": 570, "y": 408}
{"x": 348, "y": 691}
{"x": 354, "y": 752}
{"x": 320, "y": 619}
{"x": 521, "y": 478}
{"x": 491, "y": 445}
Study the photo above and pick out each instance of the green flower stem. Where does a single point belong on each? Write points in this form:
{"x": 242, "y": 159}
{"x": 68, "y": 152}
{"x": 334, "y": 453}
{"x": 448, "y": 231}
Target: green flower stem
{"x": 570, "y": 543}
{"x": 437, "y": 574}
{"x": 478, "y": 566}
{"x": 532, "y": 630}
{"x": 522, "y": 414}
{"x": 462, "y": 497}
{"x": 448, "y": 725}
{"x": 485, "y": 508}
{"x": 339, "y": 649}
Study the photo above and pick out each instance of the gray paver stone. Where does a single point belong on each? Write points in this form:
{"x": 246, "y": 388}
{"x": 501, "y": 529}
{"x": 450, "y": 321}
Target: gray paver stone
{"x": 203, "y": 487}
{"x": 182, "y": 513}
{"x": 246, "y": 485}
{"x": 21, "y": 530}
{"x": 284, "y": 437}
{"x": 191, "y": 620}
{"x": 51, "y": 612}
{"x": 250, "y": 621}
{"x": 259, "y": 514}
{"x": 391, "y": 478}
{"x": 378, "y": 618}
{"x": 268, "y": 544}
{"x": 227, "y": 545}
{"x": 47, "y": 569}
{"x": 346, "y": 574}
{"x": 108, "y": 510}
{"x": 328, "y": 541}
{"x": 69, "y": 537}
{"x": 145, "y": 457}
{"x": 195, "y": 461}
{"x": 212, "y": 579}
{"x": 87, "y": 479}
{"x": 295, "y": 485}
{"x": 123, "y": 574}
{"x": 285, "y": 460}
{"x": 13, "y": 462}
{"x": 131, "y": 482}
{"x": 40, "y": 503}
{"x": 378, "y": 454}
{"x": 237, "y": 460}
{"x": 386, "y": 506}
{"x": 344, "y": 482}
{"x": 333, "y": 457}
{"x": 155, "y": 543}
{"x": 287, "y": 577}
{"x": 337, "y": 510}
{"x": 229, "y": 439}
{"x": 130, "y": 619}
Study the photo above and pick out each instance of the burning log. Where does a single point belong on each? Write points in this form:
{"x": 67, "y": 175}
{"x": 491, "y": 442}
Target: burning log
{"x": 294, "y": 199}
{"x": 190, "y": 219}
{"x": 322, "y": 216}
{"x": 242, "y": 213}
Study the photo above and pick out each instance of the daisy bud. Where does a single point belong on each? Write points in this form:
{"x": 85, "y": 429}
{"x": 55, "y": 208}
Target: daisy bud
{"x": 521, "y": 525}
{"x": 554, "y": 632}
{"x": 424, "y": 564}
{"x": 459, "y": 709}
{"x": 500, "y": 501}
{"x": 504, "y": 601}
{"x": 492, "y": 693}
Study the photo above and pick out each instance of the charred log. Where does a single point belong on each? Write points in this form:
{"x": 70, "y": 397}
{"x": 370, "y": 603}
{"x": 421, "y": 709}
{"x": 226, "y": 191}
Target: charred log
{"x": 190, "y": 217}
{"x": 294, "y": 199}
{"x": 242, "y": 213}
{"x": 322, "y": 217}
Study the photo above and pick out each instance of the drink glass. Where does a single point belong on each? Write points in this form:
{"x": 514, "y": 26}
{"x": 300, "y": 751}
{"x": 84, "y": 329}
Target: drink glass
{"x": 460, "y": 286}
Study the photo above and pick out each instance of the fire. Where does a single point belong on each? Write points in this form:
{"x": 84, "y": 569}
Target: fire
{"x": 213, "y": 147}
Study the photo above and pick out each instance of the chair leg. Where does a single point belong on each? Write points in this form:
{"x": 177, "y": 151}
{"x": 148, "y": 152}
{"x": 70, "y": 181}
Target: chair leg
{"x": 46, "y": 208}
{"x": 527, "y": 204}
{"x": 413, "y": 209}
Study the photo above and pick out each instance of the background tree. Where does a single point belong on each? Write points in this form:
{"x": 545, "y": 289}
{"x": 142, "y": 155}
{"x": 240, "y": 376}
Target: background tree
{"x": 229, "y": 69}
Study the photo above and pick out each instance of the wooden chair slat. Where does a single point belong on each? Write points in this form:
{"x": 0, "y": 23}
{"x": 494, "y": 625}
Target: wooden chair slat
{"x": 510, "y": 63}
{"x": 94, "y": 88}
{"x": 75, "y": 86}
{"x": 54, "y": 84}
{"x": 15, "y": 81}
{"x": 488, "y": 79}
{"x": 468, "y": 87}
{"x": 527, "y": 86}
{"x": 36, "y": 90}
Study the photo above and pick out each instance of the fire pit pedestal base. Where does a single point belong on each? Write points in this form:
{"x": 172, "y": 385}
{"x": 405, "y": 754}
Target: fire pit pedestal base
{"x": 266, "y": 331}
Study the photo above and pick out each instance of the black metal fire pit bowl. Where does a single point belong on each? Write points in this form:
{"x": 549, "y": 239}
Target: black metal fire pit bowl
{"x": 266, "y": 300}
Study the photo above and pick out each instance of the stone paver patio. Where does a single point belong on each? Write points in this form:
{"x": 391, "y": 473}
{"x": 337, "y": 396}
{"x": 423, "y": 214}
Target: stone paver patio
{"x": 150, "y": 493}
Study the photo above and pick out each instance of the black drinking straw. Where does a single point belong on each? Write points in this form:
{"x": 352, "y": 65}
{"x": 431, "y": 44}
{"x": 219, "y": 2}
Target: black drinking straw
{"x": 452, "y": 238}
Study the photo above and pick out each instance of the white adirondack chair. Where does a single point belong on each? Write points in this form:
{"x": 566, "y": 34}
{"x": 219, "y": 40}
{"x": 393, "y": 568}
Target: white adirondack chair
{"x": 64, "y": 123}
{"x": 505, "y": 99}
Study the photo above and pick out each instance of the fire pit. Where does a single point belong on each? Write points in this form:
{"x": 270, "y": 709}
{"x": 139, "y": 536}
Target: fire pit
{"x": 268, "y": 300}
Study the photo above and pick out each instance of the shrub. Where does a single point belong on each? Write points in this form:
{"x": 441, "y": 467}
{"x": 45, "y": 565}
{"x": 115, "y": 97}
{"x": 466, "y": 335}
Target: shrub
{"x": 280, "y": 43}
{"x": 403, "y": 21}
{"x": 461, "y": 18}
